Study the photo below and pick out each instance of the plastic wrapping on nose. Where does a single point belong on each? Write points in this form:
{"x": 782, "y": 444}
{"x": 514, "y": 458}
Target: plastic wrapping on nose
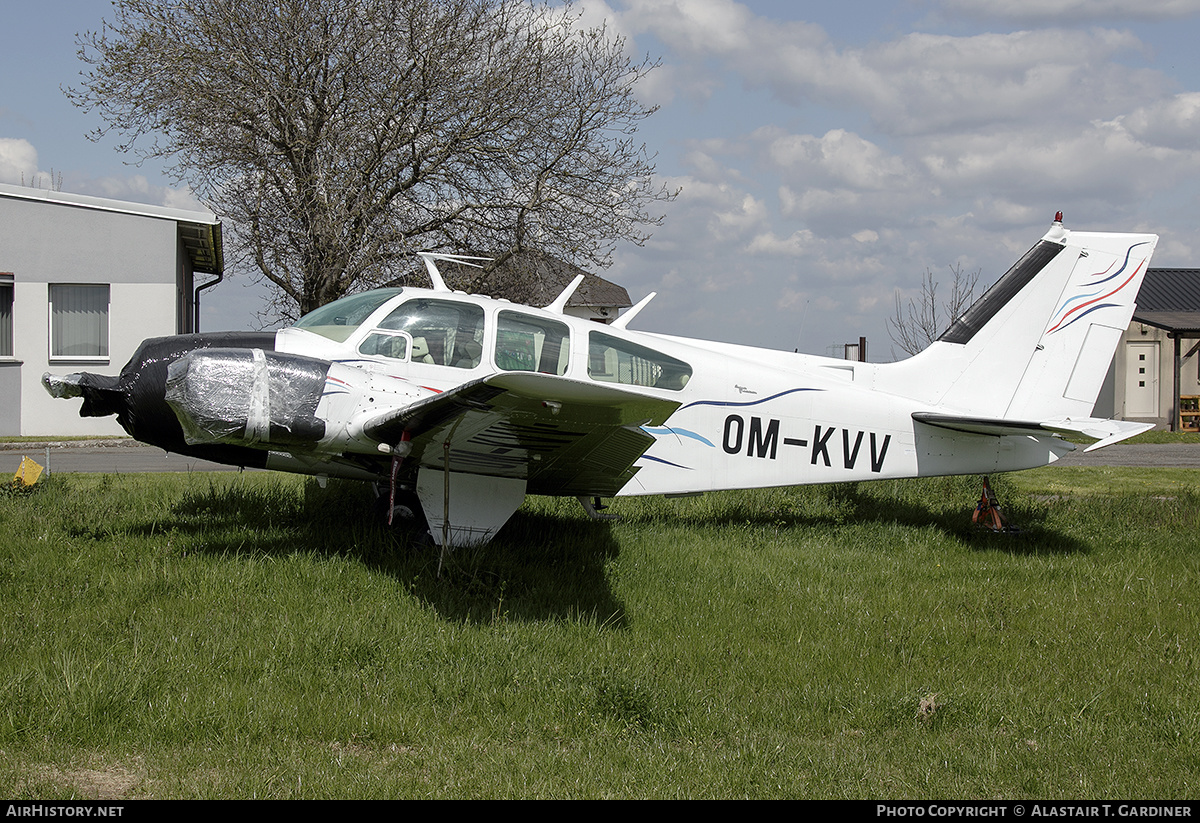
{"x": 247, "y": 397}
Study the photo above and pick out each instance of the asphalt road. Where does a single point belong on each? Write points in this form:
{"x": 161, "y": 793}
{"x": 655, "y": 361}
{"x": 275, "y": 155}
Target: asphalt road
{"x": 100, "y": 456}
{"x": 125, "y": 456}
{"x": 1174, "y": 455}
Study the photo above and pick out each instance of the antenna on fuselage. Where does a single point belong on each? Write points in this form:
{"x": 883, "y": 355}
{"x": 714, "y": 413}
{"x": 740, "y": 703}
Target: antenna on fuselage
{"x": 560, "y": 303}
{"x": 436, "y": 276}
{"x": 623, "y": 321}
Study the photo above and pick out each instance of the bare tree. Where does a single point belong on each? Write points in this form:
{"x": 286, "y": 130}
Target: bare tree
{"x": 925, "y": 318}
{"x": 52, "y": 181}
{"x": 336, "y": 137}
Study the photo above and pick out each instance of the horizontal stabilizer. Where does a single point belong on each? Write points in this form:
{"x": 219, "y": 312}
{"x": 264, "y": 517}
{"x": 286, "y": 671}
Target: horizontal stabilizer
{"x": 1105, "y": 432}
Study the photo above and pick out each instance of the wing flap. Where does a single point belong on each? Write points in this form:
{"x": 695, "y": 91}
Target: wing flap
{"x": 561, "y": 436}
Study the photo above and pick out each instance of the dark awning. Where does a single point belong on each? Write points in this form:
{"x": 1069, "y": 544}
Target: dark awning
{"x": 1181, "y": 323}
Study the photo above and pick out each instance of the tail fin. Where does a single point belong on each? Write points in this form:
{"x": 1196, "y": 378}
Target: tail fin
{"x": 1037, "y": 346}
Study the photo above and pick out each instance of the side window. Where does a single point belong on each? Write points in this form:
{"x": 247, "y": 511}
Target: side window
{"x": 391, "y": 344}
{"x": 78, "y": 321}
{"x": 443, "y": 332}
{"x": 6, "y": 314}
{"x": 527, "y": 343}
{"x": 613, "y": 360}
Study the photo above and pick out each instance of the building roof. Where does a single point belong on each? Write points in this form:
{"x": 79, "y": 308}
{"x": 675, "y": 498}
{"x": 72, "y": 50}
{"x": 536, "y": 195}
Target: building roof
{"x": 1170, "y": 299}
{"x": 199, "y": 231}
{"x": 536, "y": 279}
{"x": 554, "y": 275}
{"x": 1170, "y": 290}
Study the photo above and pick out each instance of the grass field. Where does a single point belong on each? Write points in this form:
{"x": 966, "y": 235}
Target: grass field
{"x": 237, "y": 636}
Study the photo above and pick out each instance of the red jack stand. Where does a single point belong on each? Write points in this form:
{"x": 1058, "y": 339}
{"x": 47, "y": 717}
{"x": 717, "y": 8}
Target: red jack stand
{"x": 987, "y": 512}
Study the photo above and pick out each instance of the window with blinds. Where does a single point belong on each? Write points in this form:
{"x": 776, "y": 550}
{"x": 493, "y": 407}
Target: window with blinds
{"x": 6, "y": 315}
{"x": 79, "y": 321}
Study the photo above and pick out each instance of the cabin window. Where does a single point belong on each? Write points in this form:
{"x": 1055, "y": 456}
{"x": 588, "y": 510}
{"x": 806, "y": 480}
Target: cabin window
{"x": 394, "y": 345}
{"x": 527, "y": 343}
{"x": 79, "y": 321}
{"x": 443, "y": 332}
{"x": 338, "y": 319}
{"x": 613, "y": 360}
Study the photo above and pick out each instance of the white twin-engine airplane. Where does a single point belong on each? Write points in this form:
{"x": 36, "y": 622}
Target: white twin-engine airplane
{"x": 464, "y": 404}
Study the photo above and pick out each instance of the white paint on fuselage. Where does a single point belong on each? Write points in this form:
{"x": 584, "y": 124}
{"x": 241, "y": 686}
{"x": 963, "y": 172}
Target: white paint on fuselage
{"x": 748, "y": 417}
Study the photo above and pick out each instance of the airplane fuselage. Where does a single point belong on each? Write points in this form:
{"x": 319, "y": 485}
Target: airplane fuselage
{"x": 746, "y": 418}
{"x": 470, "y": 402}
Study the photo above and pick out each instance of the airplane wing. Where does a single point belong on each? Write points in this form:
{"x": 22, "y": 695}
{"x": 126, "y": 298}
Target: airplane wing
{"x": 1105, "y": 432}
{"x": 562, "y": 436}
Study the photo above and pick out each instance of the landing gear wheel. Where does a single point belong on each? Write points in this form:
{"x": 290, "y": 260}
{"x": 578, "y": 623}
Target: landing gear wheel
{"x": 405, "y": 509}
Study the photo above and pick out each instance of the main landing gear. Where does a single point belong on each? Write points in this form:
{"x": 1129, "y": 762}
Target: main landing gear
{"x": 595, "y": 509}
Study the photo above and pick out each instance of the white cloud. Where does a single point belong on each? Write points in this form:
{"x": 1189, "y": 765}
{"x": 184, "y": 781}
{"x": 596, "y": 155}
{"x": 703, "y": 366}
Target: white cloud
{"x": 181, "y": 199}
{"x": 1074, "y": 129}
{"x": 1070, "y": 11}
{"x": 1102, "y": 160}
{"x": 19, "y": 165}
{"x": 728, "y": 213}
{"x": 687, "y": 26}
{"x": 929, "y": 84}
{"x": 18, "y": 161}
{"x": 666, "y": 83}
{"x": 838, "y": 157}
{"x": 1173, "y": 122}
{"x": 798, "y": 244}
{"x": 138, "y": 188}
{"x": 846, "y": 169}
{"x": 918, "y": 83}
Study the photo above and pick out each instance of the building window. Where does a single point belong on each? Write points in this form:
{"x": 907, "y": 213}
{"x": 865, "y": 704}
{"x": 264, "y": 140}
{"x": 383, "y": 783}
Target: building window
{"x": 79, "y": 321}
{"x": 6, "y": 315}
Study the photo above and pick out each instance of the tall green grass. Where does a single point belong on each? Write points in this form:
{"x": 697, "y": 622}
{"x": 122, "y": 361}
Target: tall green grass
{"x": 258, "y": 636}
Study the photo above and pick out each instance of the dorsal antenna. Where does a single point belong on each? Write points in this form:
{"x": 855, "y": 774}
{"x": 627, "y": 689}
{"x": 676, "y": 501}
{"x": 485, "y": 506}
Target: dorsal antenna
{"x": 560, "y": 303}
{"x": 623, "y": 321}
{"x": 435, "y": 276}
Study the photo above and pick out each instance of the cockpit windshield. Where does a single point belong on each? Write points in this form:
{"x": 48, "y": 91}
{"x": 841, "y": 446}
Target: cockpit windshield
{"x": 338, "y": 319}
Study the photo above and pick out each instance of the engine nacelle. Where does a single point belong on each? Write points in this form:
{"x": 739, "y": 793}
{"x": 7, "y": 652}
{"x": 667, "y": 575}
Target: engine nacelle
{"x": 247, "y": 397}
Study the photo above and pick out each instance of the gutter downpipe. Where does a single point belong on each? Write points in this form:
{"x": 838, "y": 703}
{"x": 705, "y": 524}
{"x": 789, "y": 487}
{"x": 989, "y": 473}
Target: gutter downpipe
{"x": 196, "y": 300}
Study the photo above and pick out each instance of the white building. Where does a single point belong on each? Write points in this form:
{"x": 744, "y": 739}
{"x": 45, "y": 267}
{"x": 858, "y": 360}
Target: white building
{"x": 1154, "y": 377}
{"x": 83, "y": 280}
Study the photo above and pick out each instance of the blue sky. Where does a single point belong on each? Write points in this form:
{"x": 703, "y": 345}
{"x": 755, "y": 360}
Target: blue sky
{"x": 828, "y": 153}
